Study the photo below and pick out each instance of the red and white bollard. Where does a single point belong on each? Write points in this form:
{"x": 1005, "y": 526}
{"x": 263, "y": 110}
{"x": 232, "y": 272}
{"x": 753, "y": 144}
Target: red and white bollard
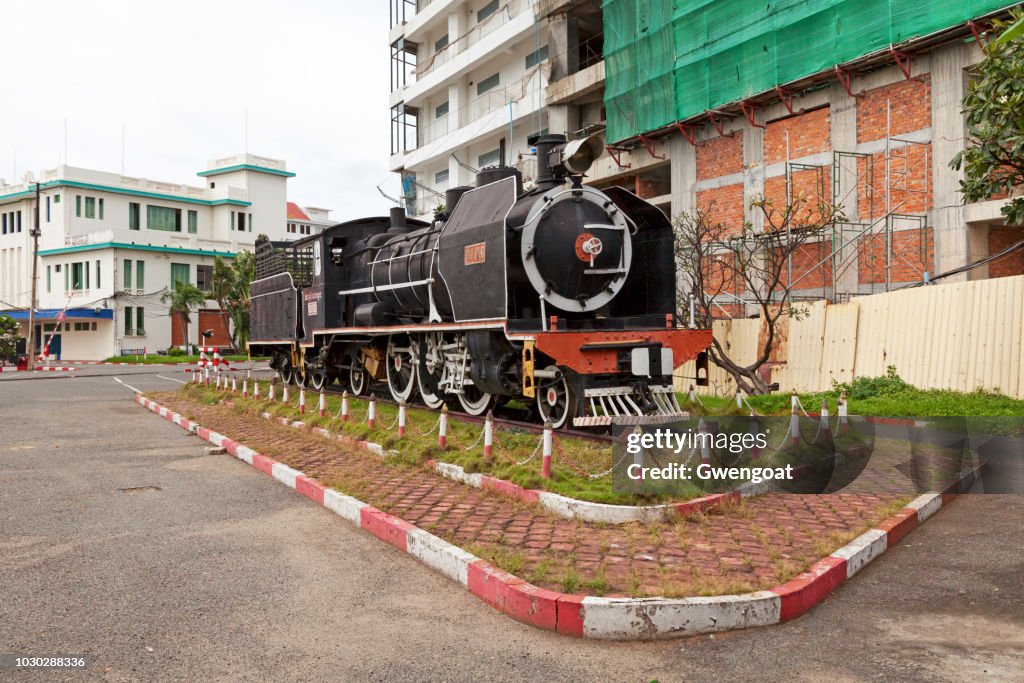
{"x": 844, "y": 425}
{"x": 323, "y": 402}
{"x": 256, "y": 389}
{"x": 302, "y": 400}
{"x": 488, "y": 435}
{"x": 344, "y": 406}
{"x": 273, "y": 393}
{"x": 739, "y": 399}
{"x": 234, "y": 384}
{"x": 692, "y": 396}
{"x": 401, "y": 419}
{"x": 794, "y": 423}
{"x": 705, "y": 448}
{"x": 245, "y": 388}
{"x": 755, "y": 431}
{"x": 371, "y": 411}
{"x": 284, "y": 394}
{"x": 638, "y": 456}
{"x": 442, "y": 427}
{"x": 206, "y": 371}
{"x": 826, "y": 430}
{"x": 545, "y": 463}
{"x": 194, "y": 379}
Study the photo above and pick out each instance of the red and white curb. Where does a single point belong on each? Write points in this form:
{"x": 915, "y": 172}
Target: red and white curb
{"x": 41, "y": 368}
{"x": 592, "y": 617}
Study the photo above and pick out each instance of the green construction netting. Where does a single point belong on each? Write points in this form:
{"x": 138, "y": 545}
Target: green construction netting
{"x": 668, "y": 60}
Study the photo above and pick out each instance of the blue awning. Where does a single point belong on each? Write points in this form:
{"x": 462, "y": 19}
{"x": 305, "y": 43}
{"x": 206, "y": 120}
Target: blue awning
{"x": 72, "y": 314}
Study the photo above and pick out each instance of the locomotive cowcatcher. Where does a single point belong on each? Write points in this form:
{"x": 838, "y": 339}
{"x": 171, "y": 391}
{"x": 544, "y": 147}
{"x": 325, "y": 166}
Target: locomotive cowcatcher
{"x": 561, "y": 298}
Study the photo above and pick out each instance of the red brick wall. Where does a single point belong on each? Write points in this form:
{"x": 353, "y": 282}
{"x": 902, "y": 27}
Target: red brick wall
{"x": 724, "y": 205}
{"x": 809, "y": 133}
{"x": 908, "y": 265}
{"x": 910, "y": 182}
{"x": 812, "y": 186}
{"x": 720, "y": 156}
{"x": 911, "y": 109}
{"x": 1011, "y": 264}
{"x": 808, "y": 272}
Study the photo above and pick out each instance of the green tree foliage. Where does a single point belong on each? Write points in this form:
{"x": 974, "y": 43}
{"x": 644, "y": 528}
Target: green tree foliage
{"x": 993, "y": 162}
{"x": 8, "y": 336}
{"x": 183, "y": 298}
{"x": 230, "y": 289}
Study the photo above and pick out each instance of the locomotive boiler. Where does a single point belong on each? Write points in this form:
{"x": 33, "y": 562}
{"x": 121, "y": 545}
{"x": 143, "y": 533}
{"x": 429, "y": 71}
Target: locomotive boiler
{"x": 561, "y": 298}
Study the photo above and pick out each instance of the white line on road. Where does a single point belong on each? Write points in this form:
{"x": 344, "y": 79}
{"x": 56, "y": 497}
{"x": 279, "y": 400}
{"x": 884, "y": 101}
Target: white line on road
{"x": 172, "y": 379}
{"x": 118, "y": 380}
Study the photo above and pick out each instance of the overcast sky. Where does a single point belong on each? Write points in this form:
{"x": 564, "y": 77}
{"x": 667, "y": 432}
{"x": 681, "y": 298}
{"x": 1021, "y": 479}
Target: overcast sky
{"x": 179, "y": 77}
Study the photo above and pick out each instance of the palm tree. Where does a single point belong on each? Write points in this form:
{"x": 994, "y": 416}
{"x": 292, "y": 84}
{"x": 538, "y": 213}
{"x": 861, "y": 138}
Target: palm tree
{"x": 184, "y": 297}
{"x": 230, "y": 289}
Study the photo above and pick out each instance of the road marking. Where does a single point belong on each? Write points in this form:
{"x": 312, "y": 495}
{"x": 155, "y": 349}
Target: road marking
{"x": 172, "y": 379}
{"x": 118, "y": 380}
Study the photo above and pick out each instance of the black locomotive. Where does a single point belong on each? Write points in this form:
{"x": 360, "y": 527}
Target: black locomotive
{"x": 562, "y": 297}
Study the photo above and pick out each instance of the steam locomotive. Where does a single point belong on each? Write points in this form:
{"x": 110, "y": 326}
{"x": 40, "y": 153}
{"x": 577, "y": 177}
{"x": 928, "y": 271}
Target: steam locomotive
{"x": 561, "y": 297}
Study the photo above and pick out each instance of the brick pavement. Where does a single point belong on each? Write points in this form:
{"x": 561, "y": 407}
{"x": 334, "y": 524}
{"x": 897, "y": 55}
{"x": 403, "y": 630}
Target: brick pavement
{"x": 754, "y": 545}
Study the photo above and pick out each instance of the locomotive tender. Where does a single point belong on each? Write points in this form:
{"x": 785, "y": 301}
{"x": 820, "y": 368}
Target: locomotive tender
{"x": 562, "y": 297}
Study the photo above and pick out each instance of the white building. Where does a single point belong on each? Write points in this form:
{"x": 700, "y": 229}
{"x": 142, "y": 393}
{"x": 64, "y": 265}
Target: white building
{"x": 467, "y": 82}
{"x": 110, "y": 246}
{"x": 307, "y": 220}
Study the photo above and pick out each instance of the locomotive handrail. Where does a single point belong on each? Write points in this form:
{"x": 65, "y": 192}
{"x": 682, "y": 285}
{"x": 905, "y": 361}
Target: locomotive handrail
{"x": 384, "y": 288}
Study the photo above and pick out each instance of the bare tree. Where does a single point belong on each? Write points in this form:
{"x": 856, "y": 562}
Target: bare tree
{"x": 726, "y": 270}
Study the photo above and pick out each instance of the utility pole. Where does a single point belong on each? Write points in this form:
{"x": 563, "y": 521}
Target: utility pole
{"x": 30, "y": 349}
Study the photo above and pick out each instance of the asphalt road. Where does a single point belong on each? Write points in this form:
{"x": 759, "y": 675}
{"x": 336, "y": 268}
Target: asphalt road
{"x": 122, "y": 539}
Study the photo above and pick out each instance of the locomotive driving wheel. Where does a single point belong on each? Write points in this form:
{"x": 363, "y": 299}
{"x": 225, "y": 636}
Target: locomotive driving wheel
{"x": 356, "y": 378}
{"x": 555, "y": 401}
{"x": 401, "y": 364}
{"x": 431, "y": 358}
{"x": 474, "y": 401}
{"x": 288, "y": 375}
{"x": 318, "y": 378}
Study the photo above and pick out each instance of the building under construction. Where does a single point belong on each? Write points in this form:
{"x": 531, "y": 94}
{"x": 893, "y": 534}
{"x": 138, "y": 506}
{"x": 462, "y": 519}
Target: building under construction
{"x": 712, "y": 105}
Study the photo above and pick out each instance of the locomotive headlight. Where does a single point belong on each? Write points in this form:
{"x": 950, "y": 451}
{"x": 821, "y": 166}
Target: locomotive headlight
{"x": 579, "y": 155}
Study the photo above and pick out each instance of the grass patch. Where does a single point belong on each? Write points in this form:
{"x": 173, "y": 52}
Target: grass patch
{"x": 512, "y": 446}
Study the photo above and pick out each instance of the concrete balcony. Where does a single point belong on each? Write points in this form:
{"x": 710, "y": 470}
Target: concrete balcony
{"x": 580, "y": 84}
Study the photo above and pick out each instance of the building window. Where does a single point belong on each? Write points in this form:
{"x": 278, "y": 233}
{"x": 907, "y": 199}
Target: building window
{"x": 241, "y": 221}
{"x": 442, "y": 110}
{"x": 90, "y": 207}
{"x": 403, "y": 128}
{"x": 489, "y": 83}
{"x": 78, "y": 206}
{"x": 48, "y": 280}
{"x": 441, "y": 177}
{"x": 4, "y": 220}
{"x": 193, "y": 222}
{"x": 403, "y": 63}
{"x": 127, "y": 321}
{"x": 77, "y": 276}
{"x": 204, "y": 277}
{"x": 19, "y": 221}
{"x": 140, "y": 321}
{"x": 101, "y": 208}
{"x": 127, "y": 274}
{"x": 441, "y": 43}
{"x": 489, "y": 158}
{"x": 487, "y": 10}
{"x": 56, "y": 199}
{"x": 140, "y": 275}
{"x": 535, "y": 58}
{"x": 133, "y": 216}
{"x": 47, "y": 209}
{"x": 163, "y": 218}
{"x": 98, "y": 285}
{"x": 179, "y": 273}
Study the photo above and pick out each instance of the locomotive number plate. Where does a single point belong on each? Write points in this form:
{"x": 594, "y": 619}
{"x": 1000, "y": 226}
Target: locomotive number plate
{"x": 475, "y": 253}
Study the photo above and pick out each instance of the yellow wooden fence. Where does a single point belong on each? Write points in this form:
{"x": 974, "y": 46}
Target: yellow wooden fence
{"x": 962, "y": 336}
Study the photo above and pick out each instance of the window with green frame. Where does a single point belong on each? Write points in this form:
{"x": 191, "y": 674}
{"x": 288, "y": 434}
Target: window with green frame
{"x": 77, "y": 276}
{"x": 133, "y": 216}
{"x": 140, "y": 275}
{"x": 127, "y": 273}
{"x": 179, "y": 273}
{"x": 128, "y": 320}
{"x": 140, "y": 320}
{"x": 90, "y": 207}
{"x": 163, "y": 218}
{"x": 101, "y": 208}
{"x": 78, "y": 206}
{"x": 193, "y": 222}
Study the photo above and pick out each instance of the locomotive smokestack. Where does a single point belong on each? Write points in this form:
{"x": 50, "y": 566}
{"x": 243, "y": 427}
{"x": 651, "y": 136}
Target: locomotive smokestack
{"x": 547, "y": 146}
{"x": 398, "y": 217}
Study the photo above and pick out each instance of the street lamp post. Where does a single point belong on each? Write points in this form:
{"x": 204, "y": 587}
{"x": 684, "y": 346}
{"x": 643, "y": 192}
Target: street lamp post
{"x": 30, "y": 349}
